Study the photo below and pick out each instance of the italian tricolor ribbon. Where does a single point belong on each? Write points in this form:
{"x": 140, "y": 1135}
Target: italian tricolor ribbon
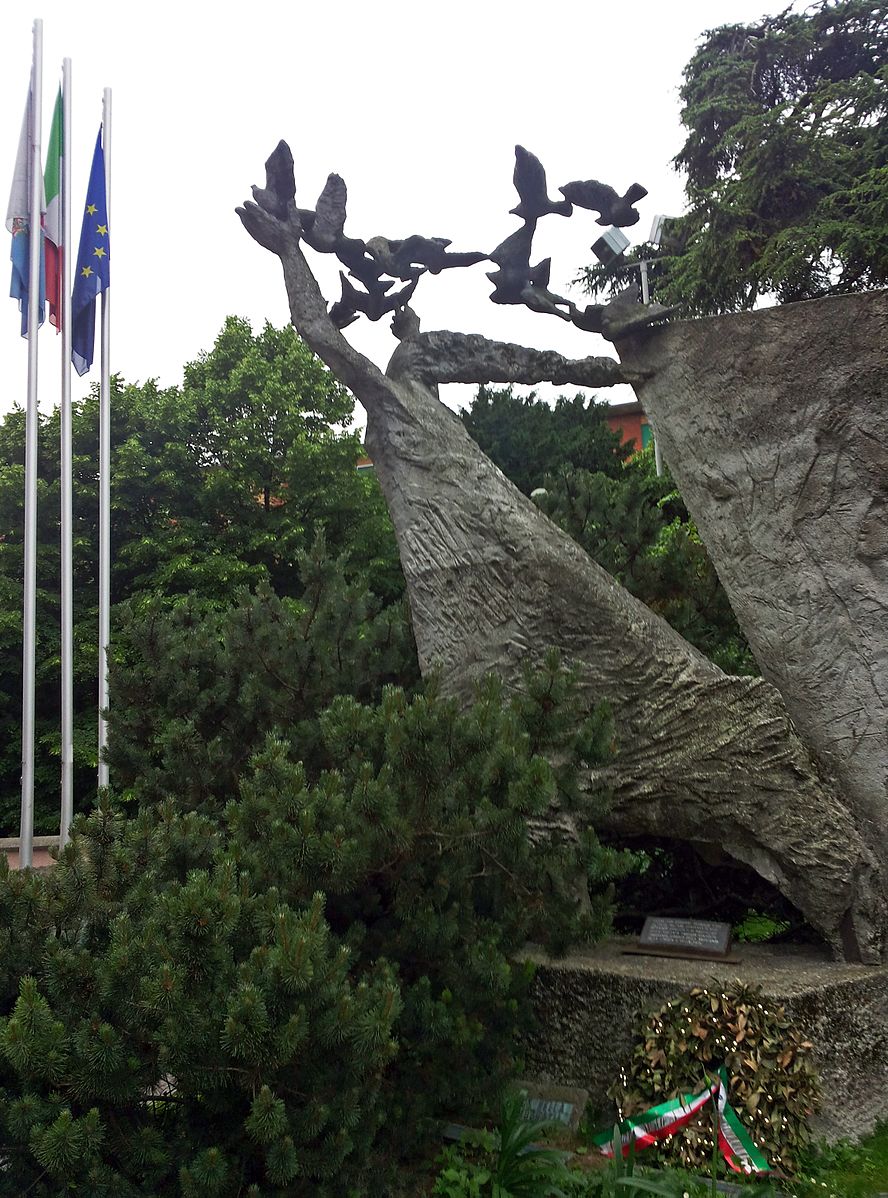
{"x": 667, "y": 1118}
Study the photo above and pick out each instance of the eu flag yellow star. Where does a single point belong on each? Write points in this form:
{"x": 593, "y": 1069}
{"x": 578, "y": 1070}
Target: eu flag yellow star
{"x": 93, "y": 269}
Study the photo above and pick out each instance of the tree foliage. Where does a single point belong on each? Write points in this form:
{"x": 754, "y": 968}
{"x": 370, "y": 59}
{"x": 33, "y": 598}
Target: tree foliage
{"x": 216, "y": 485}
{"x": 187, "y": 1014}
{"x": 632, "y": 522}
{"x": 197, "y": 691}
{"x": 528, "y": 438}
{"x": 786, "y": 161}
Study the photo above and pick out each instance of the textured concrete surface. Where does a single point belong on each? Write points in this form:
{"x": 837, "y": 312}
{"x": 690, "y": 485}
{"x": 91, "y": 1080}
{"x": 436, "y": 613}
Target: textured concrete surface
{"x": 492, "y": 585}
{"x": 590, "y": 1004}
{"x": 775, "y": 425}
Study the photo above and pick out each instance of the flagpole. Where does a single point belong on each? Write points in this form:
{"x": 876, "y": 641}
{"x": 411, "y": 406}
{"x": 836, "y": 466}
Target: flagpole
{"x": 29, "y": 606}
{"x": 66, "y": 449}
{"x": 105, "y": 473}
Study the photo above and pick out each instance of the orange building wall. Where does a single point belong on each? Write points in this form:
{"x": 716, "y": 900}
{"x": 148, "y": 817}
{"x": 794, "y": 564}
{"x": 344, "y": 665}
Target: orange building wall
{"x": 631, "y": 425}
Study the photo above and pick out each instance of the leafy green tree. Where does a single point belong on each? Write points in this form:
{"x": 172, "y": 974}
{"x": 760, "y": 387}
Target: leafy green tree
{"x": 630, "y": 521}
{"x": 185, "y": 1014}
{"x": 217, "y": 485}
{"x": 528, "y": 438}
{"x": 786, "y": 161}
{"x": 638, "y": 529}
{"x": 197, "y": 691}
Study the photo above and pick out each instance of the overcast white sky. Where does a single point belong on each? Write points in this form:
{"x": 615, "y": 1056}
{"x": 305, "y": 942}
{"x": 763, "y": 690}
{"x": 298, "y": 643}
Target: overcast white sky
{"x": 417, "y": 105}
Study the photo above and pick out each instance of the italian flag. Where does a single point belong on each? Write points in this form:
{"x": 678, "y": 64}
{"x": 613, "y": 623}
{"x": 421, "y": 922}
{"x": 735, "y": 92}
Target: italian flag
{"x": 52, "y": 222}
{"x": 735, "y": 1142}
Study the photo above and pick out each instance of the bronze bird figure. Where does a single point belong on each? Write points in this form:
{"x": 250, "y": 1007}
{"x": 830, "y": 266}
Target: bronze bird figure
{"x": 625, "y": 314}
{"x": 353, "y": 253}
{"x": 517, "y": 282}
{"x": 410, "y": 257}
{"x": 590, "y": 319}
{"x": 614, "y": 209}
{"x": 512, "y": 256}
{"x": 280, "y": 182}
{"x": 374, "y": 304}
{"x": 322, "y": 229}
{"x": 529, "y": 178}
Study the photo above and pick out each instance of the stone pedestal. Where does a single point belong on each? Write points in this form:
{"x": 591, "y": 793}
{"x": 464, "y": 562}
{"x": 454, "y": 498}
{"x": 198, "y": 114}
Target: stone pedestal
{"x": 590, "y": 1003}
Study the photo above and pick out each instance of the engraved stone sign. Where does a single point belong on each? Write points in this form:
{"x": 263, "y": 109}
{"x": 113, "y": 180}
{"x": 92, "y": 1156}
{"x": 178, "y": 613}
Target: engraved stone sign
{"x": 549, "y": 1103}
{"x": 544, "y": 1102}
{"x": 664, "y": 936}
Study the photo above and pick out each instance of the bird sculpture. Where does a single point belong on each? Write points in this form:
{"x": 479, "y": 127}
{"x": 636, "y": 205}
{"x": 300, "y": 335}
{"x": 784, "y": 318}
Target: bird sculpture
{"x": 512, "y": 256}
{"x": 517, "y": 282}
{"x": 613, "y": 209}
{"x": 409, "y": 257}
{"x": 373, "y": 304}
{"x": 322, "y": 229}
{"x": 280, "y": 182}
{"x": 625, "y": 314}
{"x": 353, "y": 253}
{"x": 590, "y": 319}
{"x": 529, "y": 178}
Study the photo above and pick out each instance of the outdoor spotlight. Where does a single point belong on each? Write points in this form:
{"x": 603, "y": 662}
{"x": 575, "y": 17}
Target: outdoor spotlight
{"x": 608, "y": 249}
{"x": 656, "y": 233}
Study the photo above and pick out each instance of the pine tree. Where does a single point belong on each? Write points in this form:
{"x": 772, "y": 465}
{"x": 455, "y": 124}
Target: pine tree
{"x": 284, "y": 995}
{"x": 188, "y": 1032}
{"x": 197, "y": 691}
{"x": 637, "y": 527}
{"x": 786, "y": 163}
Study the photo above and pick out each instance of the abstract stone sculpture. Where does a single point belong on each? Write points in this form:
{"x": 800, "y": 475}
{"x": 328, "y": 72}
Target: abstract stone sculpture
{"x": 492, "y": 584}
{"x": 787, "y": 477}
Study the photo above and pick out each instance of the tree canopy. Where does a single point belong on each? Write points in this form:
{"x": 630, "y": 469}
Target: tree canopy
{"x": 630, "y": 520}
{"x": 529, "y": 438}
{"x": 217, "y": 485}
{"x": 786, "y": 162}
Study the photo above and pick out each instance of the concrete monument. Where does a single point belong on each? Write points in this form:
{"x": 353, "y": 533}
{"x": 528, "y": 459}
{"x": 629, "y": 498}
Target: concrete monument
{"x": 786, "y": 773}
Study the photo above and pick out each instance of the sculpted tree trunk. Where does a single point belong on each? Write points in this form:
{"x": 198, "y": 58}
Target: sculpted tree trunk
{"x": 492, "y": 584}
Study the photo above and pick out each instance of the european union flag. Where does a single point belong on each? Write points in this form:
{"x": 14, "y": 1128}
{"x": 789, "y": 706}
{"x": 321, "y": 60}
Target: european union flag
{"x": 92, "y": 272}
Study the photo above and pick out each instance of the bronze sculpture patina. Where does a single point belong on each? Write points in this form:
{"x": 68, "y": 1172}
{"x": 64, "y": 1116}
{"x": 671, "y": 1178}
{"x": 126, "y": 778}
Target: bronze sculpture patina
{"x": 730, "y": 762}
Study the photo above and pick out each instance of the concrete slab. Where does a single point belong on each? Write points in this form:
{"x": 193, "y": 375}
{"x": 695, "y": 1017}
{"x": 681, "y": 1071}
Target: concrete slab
{"x": 590, "y": 1002}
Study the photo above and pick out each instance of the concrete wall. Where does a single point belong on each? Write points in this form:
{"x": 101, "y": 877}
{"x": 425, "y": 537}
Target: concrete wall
{"x": 591, "y": 1003}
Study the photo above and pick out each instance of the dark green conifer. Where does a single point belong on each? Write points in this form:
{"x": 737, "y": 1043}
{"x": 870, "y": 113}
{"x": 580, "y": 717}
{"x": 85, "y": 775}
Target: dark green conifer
{"x": 284, "y": 994}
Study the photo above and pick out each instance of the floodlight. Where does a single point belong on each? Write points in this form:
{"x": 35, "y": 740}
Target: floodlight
{"x": 656, "y": 233}
{"x": 608, "y": 249}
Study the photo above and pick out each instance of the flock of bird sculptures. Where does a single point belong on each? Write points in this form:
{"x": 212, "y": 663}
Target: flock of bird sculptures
{"x": 515, "y": 280}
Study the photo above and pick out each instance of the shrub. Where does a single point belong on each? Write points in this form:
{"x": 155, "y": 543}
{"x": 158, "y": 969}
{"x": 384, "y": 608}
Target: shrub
{"x": 287, "y": 994}
{"x": 182, "y": 1029}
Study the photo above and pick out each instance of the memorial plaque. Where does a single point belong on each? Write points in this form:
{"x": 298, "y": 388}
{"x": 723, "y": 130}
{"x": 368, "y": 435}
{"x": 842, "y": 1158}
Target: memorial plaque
{"x": 546, "y": 1103}
{"x": 543, "y": 1103}
{"x": 694, "y": 938}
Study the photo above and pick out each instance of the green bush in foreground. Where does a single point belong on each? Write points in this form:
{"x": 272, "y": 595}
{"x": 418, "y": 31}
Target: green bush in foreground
{"x": 186, "y": 1014}
{"x": 514, "y": 1162}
